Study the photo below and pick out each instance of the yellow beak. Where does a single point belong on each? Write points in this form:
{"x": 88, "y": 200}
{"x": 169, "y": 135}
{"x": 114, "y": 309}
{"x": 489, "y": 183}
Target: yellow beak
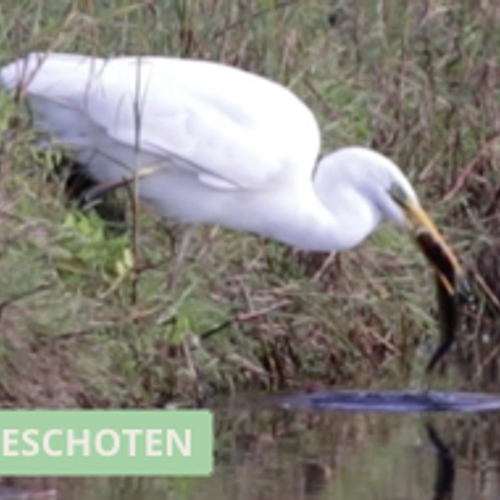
{"x": 436, "y": 250}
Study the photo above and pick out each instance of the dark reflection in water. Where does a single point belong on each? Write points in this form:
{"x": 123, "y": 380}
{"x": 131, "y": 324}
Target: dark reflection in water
{"x": 445, "y": 466}
{"x": 278, "y": 455}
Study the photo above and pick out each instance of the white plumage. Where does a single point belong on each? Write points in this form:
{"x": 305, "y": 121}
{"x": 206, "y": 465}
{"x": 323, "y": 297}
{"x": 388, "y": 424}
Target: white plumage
{"x": 227, "y": 147}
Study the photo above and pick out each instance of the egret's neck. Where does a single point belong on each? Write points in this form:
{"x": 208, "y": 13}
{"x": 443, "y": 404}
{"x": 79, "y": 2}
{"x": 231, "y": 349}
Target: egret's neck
{"x": 310, "y": 223}
{"x": 349, "y": 198}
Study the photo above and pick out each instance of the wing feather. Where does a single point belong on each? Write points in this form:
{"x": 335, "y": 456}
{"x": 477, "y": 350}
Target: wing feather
{"x": 226, "y": 126}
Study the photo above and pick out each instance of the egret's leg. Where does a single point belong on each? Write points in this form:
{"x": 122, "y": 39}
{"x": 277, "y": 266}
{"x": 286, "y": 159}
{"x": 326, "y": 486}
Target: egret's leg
{"x": 100, "y": 189}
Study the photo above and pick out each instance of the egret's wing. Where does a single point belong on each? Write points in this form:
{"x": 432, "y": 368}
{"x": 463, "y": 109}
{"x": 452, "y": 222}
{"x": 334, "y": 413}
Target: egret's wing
{"x": 229, "y": 128}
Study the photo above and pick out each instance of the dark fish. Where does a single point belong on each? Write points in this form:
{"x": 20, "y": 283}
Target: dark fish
{"x": 448, "y": 322}
{"x": 452, "y": 290}
{"x": 436, "y": 255}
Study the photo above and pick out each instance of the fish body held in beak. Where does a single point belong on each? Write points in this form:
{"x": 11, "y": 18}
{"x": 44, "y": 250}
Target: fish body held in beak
{"x": 452, "y": 286}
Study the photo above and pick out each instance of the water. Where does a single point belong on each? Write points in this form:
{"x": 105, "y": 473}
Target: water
{"x": 264, "y": 453}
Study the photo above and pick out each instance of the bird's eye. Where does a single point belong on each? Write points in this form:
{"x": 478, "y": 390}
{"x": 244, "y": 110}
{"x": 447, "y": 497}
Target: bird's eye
{"x": 398, "y": 194}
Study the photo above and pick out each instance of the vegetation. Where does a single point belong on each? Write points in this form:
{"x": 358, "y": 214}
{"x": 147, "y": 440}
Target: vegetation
{"x": 94, "y": 315}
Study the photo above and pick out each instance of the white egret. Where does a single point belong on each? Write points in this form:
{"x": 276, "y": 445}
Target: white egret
{"x": 214, "y": 144}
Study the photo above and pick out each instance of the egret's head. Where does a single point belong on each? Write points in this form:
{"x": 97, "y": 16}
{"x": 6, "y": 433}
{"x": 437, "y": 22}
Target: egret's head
{"x": 381, "y": 181}
{"x": 384, "y": 184}
{"x": 361, "y": 187}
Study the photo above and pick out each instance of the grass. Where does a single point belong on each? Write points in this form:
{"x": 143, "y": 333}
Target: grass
{"x": 88, "y": 321}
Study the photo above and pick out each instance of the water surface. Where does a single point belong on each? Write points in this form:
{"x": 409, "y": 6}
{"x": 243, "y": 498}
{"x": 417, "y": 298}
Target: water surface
{"x": 262, "y": 453}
